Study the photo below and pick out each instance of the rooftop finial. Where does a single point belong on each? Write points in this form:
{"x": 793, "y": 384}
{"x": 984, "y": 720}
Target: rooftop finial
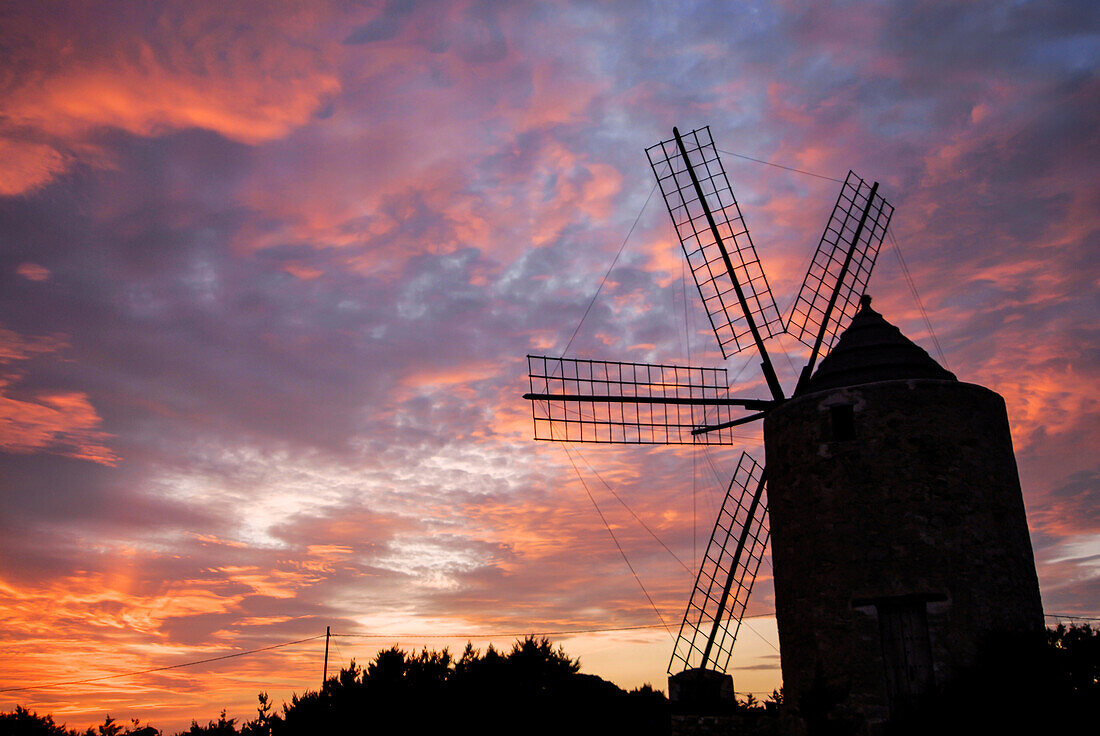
{"x": 865, "y": 302}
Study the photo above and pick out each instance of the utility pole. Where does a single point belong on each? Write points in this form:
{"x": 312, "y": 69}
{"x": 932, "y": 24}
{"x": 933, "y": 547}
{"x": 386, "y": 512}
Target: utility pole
{"x": 324, "y": 677}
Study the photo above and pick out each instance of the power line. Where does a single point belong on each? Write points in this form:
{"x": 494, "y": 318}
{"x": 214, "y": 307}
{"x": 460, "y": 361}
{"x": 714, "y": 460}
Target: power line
{"x": 760, "y": 636}
{"x": 714, "y": 469}
{"x": 694, "y": 450}
{"x": 496, "y": 635}
{"x": 897, "y": 250}
{"x": 781, "y": 166}
{"x": 916, "y": 295}
{"x": 1066, "y": 615}
{"x": 162, "y": 669}
{"x": 609, "y": 269}
{"x": 482, "y": 636}
{"x": 636, "y": 517}
{"x": 615, "y": 539}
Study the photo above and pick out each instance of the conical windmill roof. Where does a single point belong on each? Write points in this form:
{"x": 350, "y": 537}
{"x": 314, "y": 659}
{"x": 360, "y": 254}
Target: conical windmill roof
{"x": 873, "y": 350}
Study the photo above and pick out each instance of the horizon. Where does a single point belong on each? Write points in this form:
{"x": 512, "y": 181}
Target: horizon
{"x": 270, "y": 278}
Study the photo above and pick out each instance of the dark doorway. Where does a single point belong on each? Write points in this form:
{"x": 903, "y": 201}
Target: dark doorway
{"x": 906, "y": 651}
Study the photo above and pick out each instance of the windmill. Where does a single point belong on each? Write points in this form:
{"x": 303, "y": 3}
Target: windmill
{"x": 578, "y": 400}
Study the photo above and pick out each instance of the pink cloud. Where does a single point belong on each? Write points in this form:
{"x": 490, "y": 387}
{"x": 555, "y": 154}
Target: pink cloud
{"x": 33, "y": 272}
{"x": 14, "y": 346}
{"x": 476, "y": 162}
{"x": 305, "y": 273}
{"x": 65, "y": 423}
{"x": 249, "y": 76}
{"x": 27, "y": 166}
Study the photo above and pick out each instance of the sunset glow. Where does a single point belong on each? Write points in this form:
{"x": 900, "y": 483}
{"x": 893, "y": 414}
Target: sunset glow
{"x": 269, "y": 277}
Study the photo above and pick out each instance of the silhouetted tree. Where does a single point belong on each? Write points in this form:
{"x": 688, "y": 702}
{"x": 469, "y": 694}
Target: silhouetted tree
{"x": 774, "y": 701}
{"x": 1043, "y": 683}
{"x": 1076, "y": 658}
{"x": 22, "y": 722}
{"x": 261, "y": 724}
{"x": 222, "y": 727}
{"x": 535, "y": 688}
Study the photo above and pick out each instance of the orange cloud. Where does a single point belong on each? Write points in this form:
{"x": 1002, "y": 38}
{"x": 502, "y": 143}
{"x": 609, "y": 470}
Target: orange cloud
{"x": 451, "y": 376}
{"x": 599, "y": 191}
{"x": 248, "y": 76}
{"x": 64, "y": 422}
{"x": 27, "y": 166}
{"x": 14, "y": 346}
{"x": 558, "y": 96}
{"x": 305, "y": 273}
{"x": 663, "y": 257}
{"x": 124, "y": 600}
{"x": 33, "y": 272}
{"x": 1043, "y": 397}
{"x": 94, "y": 624}
{"x": 273, "y": 583}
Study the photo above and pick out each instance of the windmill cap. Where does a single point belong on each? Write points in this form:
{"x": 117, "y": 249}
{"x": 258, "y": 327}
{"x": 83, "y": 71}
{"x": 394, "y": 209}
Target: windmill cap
{"x": 873, "y": 350}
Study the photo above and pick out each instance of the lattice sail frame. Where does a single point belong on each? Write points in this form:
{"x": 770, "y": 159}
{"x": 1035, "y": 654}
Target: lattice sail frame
{"x": 805, "y": 319}
{"x": 623, "y": 411}
{"x": 715, "y": 571}
{"x": 700, "y": 246}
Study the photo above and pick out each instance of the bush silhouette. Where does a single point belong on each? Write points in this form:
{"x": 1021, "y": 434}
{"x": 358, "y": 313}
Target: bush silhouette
{"x": 1039, "y": 683}
{"x": 534, "y": 689}
{"x": 22, "y": 722}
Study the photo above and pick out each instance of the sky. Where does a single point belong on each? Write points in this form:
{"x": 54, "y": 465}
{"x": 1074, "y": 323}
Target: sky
{"x": 269, "y": 271}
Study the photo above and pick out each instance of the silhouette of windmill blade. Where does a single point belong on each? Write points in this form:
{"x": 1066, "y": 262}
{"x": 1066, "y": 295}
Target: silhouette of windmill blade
{"x": 726, "y": 575}
{"x": 632, "y": 403}
{"x": 716, "y": 241}
{"x": 638, "y": 403}
{"x": 840, "y": 269}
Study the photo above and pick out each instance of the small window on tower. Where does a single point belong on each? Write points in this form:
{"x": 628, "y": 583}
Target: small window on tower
{"x": 843, "y": 421}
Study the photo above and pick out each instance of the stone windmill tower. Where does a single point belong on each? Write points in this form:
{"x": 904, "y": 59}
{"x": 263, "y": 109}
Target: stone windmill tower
{"x": 890, "y": 489}
{"x": 899, "y": 539}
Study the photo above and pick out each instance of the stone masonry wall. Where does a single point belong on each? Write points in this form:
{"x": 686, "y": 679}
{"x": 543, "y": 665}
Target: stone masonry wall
{"x": 924, "y": 501}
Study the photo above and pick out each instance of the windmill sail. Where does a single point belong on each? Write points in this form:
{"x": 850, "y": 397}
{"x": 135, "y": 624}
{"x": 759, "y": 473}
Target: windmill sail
{"x": 630, "y": 403}
{"x": 638, "y": 403}
{"x": 713, "y": 616}
{"x": 841, "y": 266}
{"x": 708, "y": 222}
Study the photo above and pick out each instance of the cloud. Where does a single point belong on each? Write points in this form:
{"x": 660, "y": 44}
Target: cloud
{"x": 1072, "y": 508}
{"x": 57, "y": 421}
{"x": 33, "y": 271}
{"x": 27, "y": 166}
{"x": 16, "y": 347}
{"x": 61, "y": 422}
{"x": 248, "y": 76}
{"x": 280, "y": 269}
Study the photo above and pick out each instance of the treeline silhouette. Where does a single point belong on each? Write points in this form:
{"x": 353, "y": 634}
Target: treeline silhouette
{"x": 535, "y": 688}
{"x": 1029, "y": 683}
